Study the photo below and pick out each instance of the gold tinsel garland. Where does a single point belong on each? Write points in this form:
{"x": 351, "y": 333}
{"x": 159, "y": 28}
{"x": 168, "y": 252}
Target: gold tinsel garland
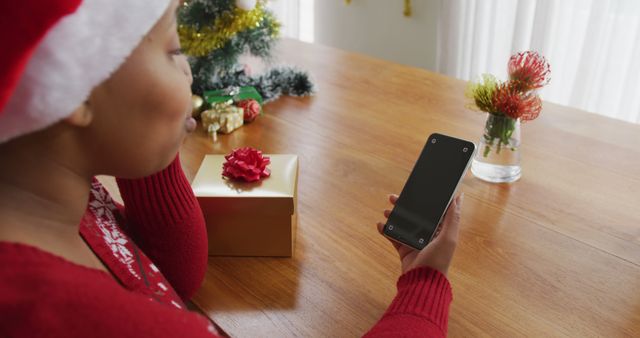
{"x": 407, "y": 7}
{"x": 202, "y": 42}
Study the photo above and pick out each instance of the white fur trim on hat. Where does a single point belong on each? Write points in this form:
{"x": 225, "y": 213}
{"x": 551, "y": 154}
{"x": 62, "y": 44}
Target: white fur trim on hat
{"x": 77, "y": 54}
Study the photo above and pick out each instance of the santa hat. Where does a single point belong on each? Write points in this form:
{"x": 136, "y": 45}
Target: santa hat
{"x": 56, "y": 52}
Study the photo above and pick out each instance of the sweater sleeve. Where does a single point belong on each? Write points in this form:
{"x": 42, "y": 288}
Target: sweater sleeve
{"x": 420, "y": 308}
{"x": 164, "y": 219}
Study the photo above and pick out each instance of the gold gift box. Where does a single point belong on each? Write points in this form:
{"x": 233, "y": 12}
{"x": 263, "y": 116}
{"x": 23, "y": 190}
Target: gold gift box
{"x": 249, "y": 219}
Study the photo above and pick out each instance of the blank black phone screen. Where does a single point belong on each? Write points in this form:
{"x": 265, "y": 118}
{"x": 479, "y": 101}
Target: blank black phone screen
{"x": 429, "y": 189}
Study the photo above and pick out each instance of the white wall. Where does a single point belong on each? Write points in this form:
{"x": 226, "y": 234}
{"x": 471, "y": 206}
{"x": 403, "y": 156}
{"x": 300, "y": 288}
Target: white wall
{"x": 378, "y": 28}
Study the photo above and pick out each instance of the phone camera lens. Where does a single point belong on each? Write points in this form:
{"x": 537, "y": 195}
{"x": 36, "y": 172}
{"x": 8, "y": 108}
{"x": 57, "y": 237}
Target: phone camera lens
{"x": 465, "y": 149}
{"x": 433, "y": 140}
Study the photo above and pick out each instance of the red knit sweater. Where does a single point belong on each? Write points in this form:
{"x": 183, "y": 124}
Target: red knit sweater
{"x": 44, "y": 295}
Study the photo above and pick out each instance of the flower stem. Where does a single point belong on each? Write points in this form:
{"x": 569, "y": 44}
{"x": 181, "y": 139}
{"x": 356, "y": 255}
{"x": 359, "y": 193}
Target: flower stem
{"x": 500, "y": 128}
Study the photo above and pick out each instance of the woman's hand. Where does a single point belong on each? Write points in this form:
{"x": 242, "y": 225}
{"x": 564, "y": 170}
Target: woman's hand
{"x": 439, "y": 252}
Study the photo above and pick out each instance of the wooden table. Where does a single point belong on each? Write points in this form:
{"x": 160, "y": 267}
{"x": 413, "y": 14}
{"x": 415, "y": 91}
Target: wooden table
{"x": 554, "y": 254}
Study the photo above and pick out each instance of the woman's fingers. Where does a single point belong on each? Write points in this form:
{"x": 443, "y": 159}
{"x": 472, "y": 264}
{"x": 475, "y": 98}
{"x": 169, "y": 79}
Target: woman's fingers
{"x": 451, "y": 224}
{"x": 393, "y": 198}
{"x": 449, "y": 227}
{"x": 439, "y": 252}
{"x": 380, "y": 227}
{"x": 380, "y": 230}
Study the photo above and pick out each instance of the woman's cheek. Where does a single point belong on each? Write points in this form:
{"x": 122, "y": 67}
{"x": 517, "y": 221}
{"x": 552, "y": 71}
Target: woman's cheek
{"x": 179, "y": 89}
{"x": 183, "y": 64}
{"x": 180, "y": 106}
{"x": 173, "y": 102}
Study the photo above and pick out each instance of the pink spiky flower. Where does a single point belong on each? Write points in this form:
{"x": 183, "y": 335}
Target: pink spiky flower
{"x": 529, "y": 70}
{"x": 508, "y": 100}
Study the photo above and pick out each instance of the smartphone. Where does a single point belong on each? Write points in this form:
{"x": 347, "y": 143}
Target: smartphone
{"x": 429, "y": 190}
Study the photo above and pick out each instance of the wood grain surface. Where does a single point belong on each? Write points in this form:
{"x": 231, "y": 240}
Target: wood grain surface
{"x": 554, "y": 254}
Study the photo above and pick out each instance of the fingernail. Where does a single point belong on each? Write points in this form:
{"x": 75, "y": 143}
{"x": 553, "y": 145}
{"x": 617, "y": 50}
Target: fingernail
{"x": 461, "y": 199}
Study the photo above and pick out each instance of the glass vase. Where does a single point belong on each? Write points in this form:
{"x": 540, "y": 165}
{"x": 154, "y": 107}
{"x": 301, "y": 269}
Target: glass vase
{"x": 497, "y": 159}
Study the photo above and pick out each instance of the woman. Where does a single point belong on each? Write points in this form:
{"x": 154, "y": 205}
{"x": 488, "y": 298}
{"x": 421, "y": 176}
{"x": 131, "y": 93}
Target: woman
{"x": 99, "y": 87}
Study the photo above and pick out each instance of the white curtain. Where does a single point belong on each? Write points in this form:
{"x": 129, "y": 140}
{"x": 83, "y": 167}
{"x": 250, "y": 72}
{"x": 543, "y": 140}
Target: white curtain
{"x": 296, "y": 17}
{"x": 593, "y": 47}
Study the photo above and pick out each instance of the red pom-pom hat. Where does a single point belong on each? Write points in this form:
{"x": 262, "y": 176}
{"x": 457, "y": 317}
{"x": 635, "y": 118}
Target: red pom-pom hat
{"x": 56, "y": 52}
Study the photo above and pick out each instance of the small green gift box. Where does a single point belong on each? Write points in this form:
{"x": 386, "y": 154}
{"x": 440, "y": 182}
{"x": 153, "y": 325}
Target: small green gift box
{"x": 234, "y": 94}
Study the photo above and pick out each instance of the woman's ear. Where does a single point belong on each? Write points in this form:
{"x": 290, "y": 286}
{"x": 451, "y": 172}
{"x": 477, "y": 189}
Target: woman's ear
{"x": 81, "y": 116}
